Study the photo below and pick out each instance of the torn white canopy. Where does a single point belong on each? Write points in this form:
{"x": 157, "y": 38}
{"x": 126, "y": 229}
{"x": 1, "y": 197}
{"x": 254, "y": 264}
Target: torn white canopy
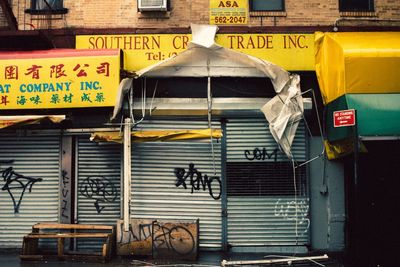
{"x": 205, "y": 58}
{"x": 284, "y": 112}
{"x": 124, "y": 86}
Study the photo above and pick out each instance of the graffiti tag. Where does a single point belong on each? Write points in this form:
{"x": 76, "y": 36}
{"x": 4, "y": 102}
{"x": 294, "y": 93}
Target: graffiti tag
{"x": 100, "y": 189}
{"x": 260, "y": 154}
{"x": 158, "y": 238}
{"x": 176, "y": 239}
{"x": 65, "y": 194}
{"x": 196, "y": 179}
{"x": 143, "y": 233}
{"x": 17, "y": 182}
{"x": 296, "y": 211}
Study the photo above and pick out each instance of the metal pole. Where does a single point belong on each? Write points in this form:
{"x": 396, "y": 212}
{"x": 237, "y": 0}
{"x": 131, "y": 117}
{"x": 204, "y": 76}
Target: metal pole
{"x": 356, "y": 150}
{"x": 127, "y": 173}
{"x": 355, "y": 220}
{"x": 224, "y": 197}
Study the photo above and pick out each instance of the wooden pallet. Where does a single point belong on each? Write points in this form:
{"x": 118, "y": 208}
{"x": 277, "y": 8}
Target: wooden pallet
{"x": 61, "y": 232}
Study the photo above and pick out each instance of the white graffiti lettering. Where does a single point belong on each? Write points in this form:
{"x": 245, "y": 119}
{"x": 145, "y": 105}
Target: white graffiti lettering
{"x": 296, "y": 211}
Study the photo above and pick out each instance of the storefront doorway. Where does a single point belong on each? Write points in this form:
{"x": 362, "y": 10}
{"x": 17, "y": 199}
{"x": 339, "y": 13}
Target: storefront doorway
{"x": 379, "y": 204}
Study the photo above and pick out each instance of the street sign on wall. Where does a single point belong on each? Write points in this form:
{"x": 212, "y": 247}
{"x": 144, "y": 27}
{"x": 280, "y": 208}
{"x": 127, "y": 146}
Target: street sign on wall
{"x": 342, "y": 118}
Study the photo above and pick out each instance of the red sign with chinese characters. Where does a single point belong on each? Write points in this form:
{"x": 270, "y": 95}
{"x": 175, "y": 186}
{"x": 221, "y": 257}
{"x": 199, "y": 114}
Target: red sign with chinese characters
{"x": 343, "y": 118}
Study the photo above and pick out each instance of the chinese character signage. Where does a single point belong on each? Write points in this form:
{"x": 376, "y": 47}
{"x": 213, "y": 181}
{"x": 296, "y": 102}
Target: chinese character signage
{"x": 59, "y": 79}
{"x": 226, "y": 12}
{"x": 291, "y": 51}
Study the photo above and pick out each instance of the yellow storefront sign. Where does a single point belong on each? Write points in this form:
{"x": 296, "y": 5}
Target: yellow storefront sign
{"x": 59, "y": 79}
{"x": 293, "y": 52}
{"x": 228, "y": 12}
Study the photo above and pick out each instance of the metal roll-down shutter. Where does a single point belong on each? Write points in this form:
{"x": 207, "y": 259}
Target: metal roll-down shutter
{"x": 155, "y": 193}
{"x": 98, "y": 189}
{"x": 30, "y": 168}
{"x": 265, "y": 205}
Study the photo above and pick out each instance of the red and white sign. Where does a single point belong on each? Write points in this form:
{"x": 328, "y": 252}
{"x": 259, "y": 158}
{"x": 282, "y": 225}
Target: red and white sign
{"x": 343, "y": 118}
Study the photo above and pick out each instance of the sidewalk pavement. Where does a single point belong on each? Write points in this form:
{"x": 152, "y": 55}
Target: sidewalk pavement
{"x": 205, "y": 259}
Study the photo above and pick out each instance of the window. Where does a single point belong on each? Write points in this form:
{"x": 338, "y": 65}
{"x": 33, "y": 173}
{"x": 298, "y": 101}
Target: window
{"x": 47, "y": 7}
{"x": 356, "y": 5}
{"x": 267, "y": 5}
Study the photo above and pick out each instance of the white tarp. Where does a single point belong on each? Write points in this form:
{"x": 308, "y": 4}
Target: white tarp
{"x": 124, "y": 86}
{"x": 205, "y": 58}
{"x": 284, "y": 112}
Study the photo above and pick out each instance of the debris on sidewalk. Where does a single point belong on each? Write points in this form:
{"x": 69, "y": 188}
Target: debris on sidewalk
{"x": 287, "y": 259}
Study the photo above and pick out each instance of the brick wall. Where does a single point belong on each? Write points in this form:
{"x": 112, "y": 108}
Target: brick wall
{"x": 124, "y": 14}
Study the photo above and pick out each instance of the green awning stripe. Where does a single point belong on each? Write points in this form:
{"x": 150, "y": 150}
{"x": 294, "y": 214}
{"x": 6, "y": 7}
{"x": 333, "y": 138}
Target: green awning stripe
{"x": 377, "y": 115}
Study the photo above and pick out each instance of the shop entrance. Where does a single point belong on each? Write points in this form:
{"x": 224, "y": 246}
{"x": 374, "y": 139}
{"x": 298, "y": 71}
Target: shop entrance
{"x": 379, "y": 205}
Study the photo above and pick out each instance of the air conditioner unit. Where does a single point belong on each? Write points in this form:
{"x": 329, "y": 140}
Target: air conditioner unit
{"x": 152, "y": 5}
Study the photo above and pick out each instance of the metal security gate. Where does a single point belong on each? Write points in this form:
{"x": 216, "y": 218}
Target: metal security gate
{"x": 98, "y": 189}
{"x": 158, "y": 193}
{"x": 266, "y": 207}
{"x": 30, "y": 168}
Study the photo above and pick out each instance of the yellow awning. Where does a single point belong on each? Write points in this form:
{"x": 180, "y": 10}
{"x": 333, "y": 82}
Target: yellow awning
{"x": 357, "y": 62}
{"x": 157, "y": 135}
{"x": 8, "y": 121}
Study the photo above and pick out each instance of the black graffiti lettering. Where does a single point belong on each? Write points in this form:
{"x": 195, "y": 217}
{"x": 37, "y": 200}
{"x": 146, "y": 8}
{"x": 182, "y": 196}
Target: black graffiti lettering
{"x": 177, "y": 239}
{"x": 64, "y": 208}
{"x": 100, "y": 189}
{"x": 131, "y": 236}
{"x": 209, "y": 182}
{"x": 196, "y": 180}
{"x": 97, "y": 206}
{"x": 180, "y": 177}
{"x": 258, "y": 154}
{"x": 144, "y": 233}
{"x": 17, "y": 182}
{"x": 65, "y": 194}
{"x": 65, "y": 178}
{"x": 160, "y": 240}
{"x": 144, "y": 229}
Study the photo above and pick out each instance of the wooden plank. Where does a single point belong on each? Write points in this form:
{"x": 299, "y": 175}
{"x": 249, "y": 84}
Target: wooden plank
{"x": 110, "y": 245}
{"x": 31, "y": 257}
{"x": 60, "y": 232}
{"x": 29, "y": 246}
{"x": 72, "y": 226}
{"x": 60, "y": 246}
{"x": 104, "y": 250}
{"x": 82, "y": 253}
{"x": 68, "y": 235}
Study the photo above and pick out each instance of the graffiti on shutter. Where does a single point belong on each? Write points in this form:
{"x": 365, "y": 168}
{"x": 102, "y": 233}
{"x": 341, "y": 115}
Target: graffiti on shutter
{"x": 159, "y": 238}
